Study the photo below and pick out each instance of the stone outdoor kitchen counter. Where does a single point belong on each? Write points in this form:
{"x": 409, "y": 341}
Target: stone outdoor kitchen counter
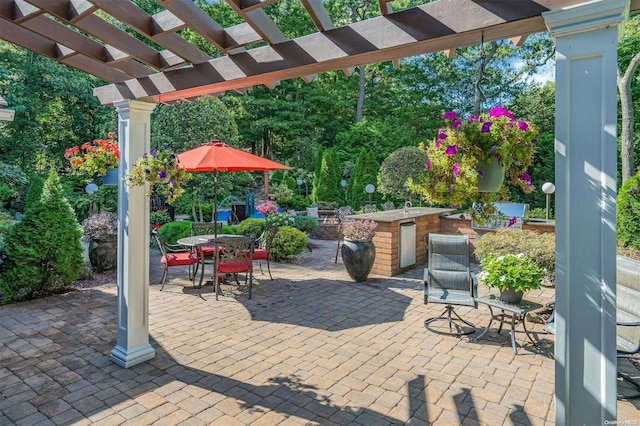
{"x": 387, "y": 238}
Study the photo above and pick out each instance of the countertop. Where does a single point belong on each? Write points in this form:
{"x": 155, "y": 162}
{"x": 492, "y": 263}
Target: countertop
{"x": 399, "y": 215}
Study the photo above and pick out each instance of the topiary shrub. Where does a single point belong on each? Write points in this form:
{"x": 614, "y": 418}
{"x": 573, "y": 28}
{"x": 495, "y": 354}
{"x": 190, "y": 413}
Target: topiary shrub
{"x": 404, "y": 164}
{"x": 287, "y": 242}
{"x": 305, "y": 224}
{"x": 251, "y": 226}
{"x": 44, "y": 253}
{"x": 628, "y": 213}
{"x": 541, "y": 248}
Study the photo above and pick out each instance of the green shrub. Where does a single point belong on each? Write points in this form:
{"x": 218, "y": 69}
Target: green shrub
{"x": 173, "y": 231}
{"x": 159, "y": 217}
{"x": 296, "y": 202}
{"x": 287, "y": 242}
{"x": 251, "y": 226}
{"x": 230, "y": 230}
{"x": 305, "y": 224}
{"x": 628, "y": 213}
{"x": 44, "y": 253}
{"x": 536, "y": 246}
{"x": 400, "y": 166}
{"x": 6, "y": 223}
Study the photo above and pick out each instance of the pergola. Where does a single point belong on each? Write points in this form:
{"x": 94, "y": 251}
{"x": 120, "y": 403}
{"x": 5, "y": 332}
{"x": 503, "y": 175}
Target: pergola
{"x": 88, "y": 35}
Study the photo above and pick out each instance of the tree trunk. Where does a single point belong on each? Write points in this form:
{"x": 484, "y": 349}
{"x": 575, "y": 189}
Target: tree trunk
{"x": 624, "y": 87}
{"x": 360, "y": 104}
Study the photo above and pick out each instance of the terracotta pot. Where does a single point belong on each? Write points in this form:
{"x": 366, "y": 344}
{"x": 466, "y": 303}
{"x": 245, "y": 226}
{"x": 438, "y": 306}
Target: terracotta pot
{"x": 358, "y": 258}
{"x": 492, "y": 175}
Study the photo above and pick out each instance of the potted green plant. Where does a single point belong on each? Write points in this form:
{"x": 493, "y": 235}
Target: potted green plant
{"x": 160, "y": 168}
{"x": 512, "y": 274}
{"x": 461, "y": 162}
{"x": 358, "y": 251}
{"x": 99, "y": 158}
{"x": 101, "y": 230}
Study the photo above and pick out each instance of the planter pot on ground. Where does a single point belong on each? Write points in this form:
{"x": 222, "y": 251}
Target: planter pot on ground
{"x": 511, "y": 296}
{"x": 103, "y": 254}
{"x": 492, "y": 175}
{"x": 111, "y": 178}
{"x": 358, "y": 258}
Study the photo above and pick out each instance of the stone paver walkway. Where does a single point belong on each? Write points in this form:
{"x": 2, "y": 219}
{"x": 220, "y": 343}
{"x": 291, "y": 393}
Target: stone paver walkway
{"x": 310, "y": 347}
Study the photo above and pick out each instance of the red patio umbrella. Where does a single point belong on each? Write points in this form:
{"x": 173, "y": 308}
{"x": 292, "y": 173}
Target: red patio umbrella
{"x": 216, "y": 156}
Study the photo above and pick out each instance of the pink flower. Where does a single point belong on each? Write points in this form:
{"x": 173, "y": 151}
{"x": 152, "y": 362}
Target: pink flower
{"x": 499, "y": 111}
{"x": 486, "y": 127}
{"x": 456, "y": 124}
{"x": 456, "y": 169}
{"x": 451, "y": 150}
{"x": 428, "y": 164}
{"x": 442, "y": 135}
{"x": 523, "y": 125}
{"x": 525, "y": 177}
{"x": 449, "y": 115}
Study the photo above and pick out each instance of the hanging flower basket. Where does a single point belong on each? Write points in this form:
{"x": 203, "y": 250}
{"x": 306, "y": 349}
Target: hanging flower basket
{"x": 111, "y": 177}
{"x": 461, "y": 162}
{"x": 95, "y": 158}
{"x": 161, "y": 169}
{"x": 492, "y": 176}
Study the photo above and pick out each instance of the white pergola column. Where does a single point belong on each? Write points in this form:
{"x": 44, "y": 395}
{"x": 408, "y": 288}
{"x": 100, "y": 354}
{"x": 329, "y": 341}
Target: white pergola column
{"x": 585, "y": 348}
{"x": 134, "y": 136}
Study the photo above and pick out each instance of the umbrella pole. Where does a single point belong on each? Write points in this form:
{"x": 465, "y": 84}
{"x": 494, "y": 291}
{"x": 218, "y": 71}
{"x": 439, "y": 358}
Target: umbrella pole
{"x": 215, "y": 203}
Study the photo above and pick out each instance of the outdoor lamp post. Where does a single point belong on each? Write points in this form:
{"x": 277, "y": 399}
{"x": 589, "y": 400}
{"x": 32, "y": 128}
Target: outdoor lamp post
{"x": 548, "y": 188}
{"x": 299, "y": 183}
{"x": 369, "y": 190}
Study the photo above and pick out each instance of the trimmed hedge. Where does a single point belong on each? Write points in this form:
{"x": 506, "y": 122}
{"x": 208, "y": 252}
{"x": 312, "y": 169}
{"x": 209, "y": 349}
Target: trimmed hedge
{"x": 541, "y": 248}
{"x": 305, "y": 224}
{"x": 287, "y": 242}
{"x": 251, "y": 226}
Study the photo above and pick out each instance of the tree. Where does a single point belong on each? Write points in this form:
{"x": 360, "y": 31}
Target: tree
{"x": 628, "y": 62}
{"x": 44, "y": 254}
{"x": 403, "y": 164}
{"x": 365, "y": 173}
{"x": 329, "y": 189}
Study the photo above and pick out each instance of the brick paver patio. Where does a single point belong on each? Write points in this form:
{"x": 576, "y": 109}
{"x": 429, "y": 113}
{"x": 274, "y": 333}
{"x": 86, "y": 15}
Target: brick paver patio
{"x": 311, "y": 347}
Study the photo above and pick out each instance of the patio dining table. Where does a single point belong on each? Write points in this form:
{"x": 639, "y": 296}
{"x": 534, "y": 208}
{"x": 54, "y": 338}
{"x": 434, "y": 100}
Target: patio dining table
{"x": 199, "y": 242}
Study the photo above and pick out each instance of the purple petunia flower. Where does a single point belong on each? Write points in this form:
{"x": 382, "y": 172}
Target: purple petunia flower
{"x": 144, "y": 155}
{"x": 449, "y": 115}
{"x": 162, "y": 174}
{"x": 172, "y": 183}
{"x": 442, "y": 135}
{"x": 493, "y": 149}
{"x": 455, "y": 206}
{"x": 486, "y": 127}
{"x": 473, "y": 118}
{"x": 147, "y": 171}
{"x": 500, "y": 111}
{"x": 451, "y": 150}
{"x": 153, "y": 152}
{"x": 512, "y": 221}
{"x": 450, "y": 188}
{"x": 456, "y": 124}
{"x": 462, "y": 216}
{"x": 438, "y": 143}
{"x": 480, "y": 173}
{"x": 428, "y": 164}
{"x": 456, "y": 169}
{"x": 525, "y": 177}
{"x": 523, "y": 125}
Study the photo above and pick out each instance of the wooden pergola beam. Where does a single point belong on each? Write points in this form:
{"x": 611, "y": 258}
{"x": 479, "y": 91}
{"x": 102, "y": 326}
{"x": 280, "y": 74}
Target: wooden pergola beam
{"x": 318, "y": 14}
{"x": 437, "y": 26}
{"x": 259, "y": 21}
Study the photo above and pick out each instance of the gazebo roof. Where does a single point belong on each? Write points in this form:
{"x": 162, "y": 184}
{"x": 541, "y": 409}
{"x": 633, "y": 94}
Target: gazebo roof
{"x": 88, "y": 35}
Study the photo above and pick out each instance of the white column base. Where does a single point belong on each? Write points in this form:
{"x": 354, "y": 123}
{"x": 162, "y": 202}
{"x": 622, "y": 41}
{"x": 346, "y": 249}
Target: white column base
{"x": 128, "y": 358}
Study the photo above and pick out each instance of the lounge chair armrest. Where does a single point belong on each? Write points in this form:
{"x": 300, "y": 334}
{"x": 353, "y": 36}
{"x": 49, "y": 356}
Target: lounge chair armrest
{"x": 629, "y": 324}
{"x": 426, "y": 282}
{"x": 474, "y": 285}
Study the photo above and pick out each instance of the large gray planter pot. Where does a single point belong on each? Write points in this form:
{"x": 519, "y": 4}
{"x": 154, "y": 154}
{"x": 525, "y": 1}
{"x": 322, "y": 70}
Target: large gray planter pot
{"x": 358, "y": 258}
{"x": 103, "y": 254}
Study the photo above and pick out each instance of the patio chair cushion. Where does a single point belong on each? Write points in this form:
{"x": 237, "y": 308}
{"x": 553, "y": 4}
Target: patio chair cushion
{"x": 260, "y": 254}
{"x": 313, "y": 212}
{"x": 175, "y": 259}
{"x": 233, "y": 268}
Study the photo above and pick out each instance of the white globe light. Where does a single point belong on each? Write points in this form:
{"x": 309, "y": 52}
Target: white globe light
{"x": 548, "y": 188}
{"x": 299, "y": 182}
{"x": 91, "y": 188}
{"x": 369, "y": 188}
